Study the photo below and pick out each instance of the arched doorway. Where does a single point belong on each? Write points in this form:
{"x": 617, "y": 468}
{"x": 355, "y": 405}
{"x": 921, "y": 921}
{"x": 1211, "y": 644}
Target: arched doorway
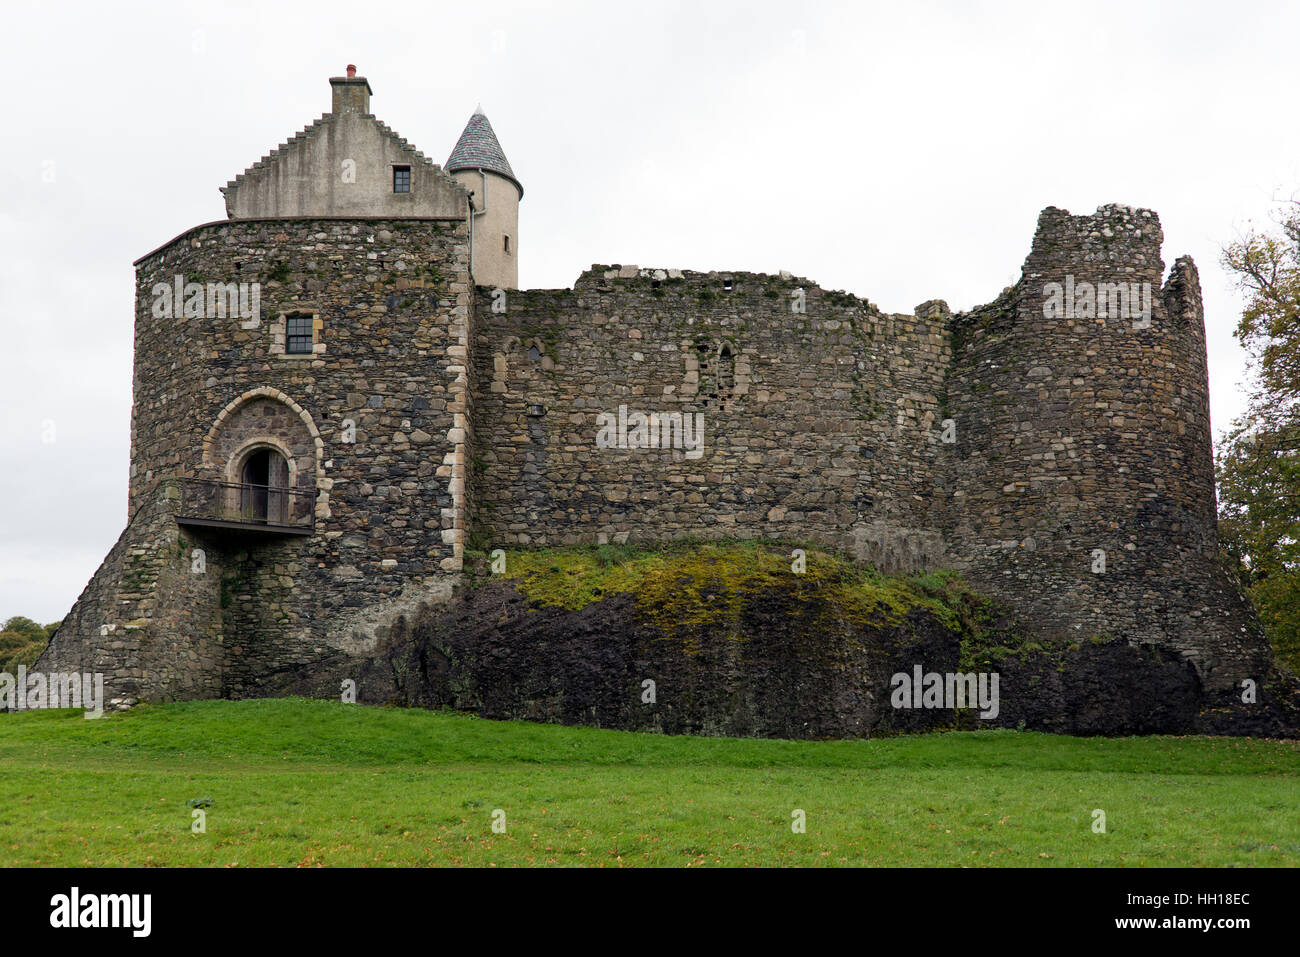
{"x": 278, "y": 488}
{"x": 264, "y": 481}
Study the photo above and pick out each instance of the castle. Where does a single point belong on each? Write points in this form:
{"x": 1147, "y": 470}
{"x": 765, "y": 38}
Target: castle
{"x": 339, "y": 386}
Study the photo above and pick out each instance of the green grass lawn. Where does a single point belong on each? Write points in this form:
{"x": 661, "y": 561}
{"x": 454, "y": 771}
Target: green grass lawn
{"x": 296, "y": 782}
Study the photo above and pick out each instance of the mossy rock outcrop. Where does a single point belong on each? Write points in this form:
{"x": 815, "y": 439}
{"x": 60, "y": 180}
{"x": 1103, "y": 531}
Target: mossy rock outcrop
{"x": 731, "y": 640}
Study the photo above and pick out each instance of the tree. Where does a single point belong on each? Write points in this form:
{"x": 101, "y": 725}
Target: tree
{"x": 22, "y": 641}
{"x": 1258, "y": 461}
{"x": 24, "y": 626}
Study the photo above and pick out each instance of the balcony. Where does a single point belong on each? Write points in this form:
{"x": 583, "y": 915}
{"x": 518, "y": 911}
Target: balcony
{"x": 257, "y": 509}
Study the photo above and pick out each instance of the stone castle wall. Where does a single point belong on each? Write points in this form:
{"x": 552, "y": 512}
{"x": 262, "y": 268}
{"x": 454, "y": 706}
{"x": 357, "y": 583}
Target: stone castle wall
{"x": 1012, "y": 444}
{"x": 145, "y": 620}
{"x": 818, "y": 424}
{"x": 1071, "y": 436}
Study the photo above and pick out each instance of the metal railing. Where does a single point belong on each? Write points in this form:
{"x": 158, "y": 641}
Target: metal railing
{"x": 243, "y": 505}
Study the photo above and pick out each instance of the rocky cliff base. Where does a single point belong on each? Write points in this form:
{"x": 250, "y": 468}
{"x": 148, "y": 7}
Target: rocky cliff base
{"x": 729, "y": 640}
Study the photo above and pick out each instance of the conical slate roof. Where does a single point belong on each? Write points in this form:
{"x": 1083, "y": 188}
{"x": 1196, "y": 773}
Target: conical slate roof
{"x": 478, "y": 148}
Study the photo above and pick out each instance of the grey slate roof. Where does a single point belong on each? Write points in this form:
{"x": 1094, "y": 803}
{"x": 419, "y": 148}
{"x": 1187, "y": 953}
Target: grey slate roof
{"x": 478, "y": 148}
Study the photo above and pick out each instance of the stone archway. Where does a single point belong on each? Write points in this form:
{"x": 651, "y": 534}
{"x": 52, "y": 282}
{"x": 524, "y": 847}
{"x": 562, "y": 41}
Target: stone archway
{"x": 265, "y": 420}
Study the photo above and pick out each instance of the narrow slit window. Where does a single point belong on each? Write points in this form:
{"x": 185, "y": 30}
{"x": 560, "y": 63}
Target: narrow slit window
{"x": 708, "y": 386}
{"x": 401, "y": 179}
{"x": 298, "y": 335}
{"x": 726, "y": 371}
{"x": 505, "y": 244}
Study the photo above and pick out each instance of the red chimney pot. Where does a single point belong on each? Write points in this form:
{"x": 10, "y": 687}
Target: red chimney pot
{"x": 352, "y": 69}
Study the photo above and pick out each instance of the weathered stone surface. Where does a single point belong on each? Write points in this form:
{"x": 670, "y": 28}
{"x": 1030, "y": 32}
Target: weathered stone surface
{"x": 372, "y": 417}
{"x": 1009, "y": 443}
{"x": 490, "y": 653}
{"x": 1100, "y": 428}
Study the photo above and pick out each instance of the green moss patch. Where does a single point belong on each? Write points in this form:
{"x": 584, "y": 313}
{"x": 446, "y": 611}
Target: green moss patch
{"x": 686, "y": 589}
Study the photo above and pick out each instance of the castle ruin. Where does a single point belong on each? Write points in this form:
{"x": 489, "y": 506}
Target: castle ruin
{"x": 339, "y": 384}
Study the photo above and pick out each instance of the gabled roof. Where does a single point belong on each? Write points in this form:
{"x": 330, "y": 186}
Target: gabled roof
{"x": 478, "y": 148}
{"x": 274, "y": 157}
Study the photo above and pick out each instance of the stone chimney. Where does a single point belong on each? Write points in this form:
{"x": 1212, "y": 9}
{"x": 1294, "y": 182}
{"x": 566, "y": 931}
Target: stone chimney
{"x": 351, "y": 93}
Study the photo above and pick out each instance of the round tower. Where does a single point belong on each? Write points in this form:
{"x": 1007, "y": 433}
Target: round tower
{"x": 1082, "y": 480}
{"x": 479, "y": 164}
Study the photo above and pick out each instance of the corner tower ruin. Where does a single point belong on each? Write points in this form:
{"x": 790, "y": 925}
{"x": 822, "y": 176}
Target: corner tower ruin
{"x": 1082, "y": 481}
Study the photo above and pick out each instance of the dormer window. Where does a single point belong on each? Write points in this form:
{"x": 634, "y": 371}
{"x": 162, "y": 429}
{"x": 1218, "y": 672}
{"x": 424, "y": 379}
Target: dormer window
{"x": 401, "y": 179}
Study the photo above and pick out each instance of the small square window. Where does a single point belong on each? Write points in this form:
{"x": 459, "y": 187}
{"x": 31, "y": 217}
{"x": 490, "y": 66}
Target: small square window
{"x": 298, "y": 335}
{"x": 401, "y": 179}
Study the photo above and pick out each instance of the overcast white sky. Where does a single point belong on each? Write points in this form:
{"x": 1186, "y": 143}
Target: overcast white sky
{"x": 899, "y": 151}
